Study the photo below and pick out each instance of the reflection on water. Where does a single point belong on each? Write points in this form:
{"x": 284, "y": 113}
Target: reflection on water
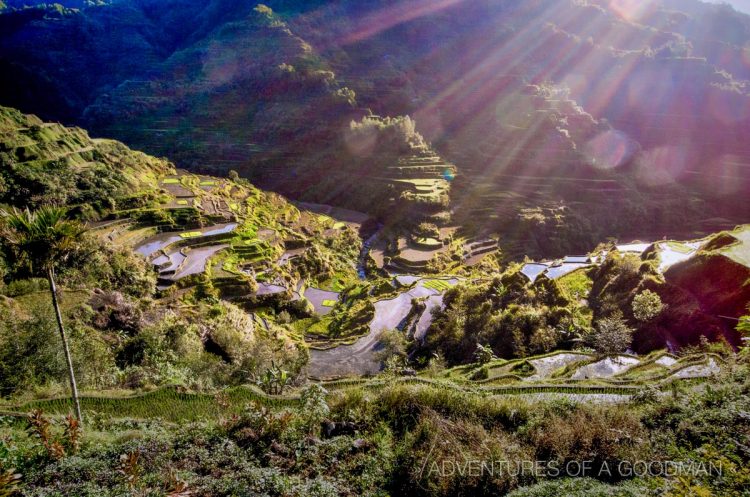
{"x": 163, "y": 240}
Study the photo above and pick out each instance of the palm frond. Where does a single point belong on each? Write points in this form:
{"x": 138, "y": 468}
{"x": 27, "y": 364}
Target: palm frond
{"x": 39, "y": 239}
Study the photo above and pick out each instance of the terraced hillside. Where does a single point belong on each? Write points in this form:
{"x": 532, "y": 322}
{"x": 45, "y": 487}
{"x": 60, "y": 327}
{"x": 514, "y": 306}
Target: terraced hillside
{"x": 507, "y": 96}
{"x": 133, "y": 195}
{"x": 208, "y": 317}
{"x": 573, "y": 375}
{"x": 217, "y": 237}
{"x": 48, "y": 163}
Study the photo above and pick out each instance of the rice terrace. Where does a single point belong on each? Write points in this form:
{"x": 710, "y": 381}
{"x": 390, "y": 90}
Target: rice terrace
{"x": 339, "y": 248}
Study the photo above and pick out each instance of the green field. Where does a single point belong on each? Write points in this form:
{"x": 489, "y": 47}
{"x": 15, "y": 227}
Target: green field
{"x": 438, "y": 285}
{"x": 679, "y": 247}
{"x": 576, "y": 284}
{"x": 167, "y": 404}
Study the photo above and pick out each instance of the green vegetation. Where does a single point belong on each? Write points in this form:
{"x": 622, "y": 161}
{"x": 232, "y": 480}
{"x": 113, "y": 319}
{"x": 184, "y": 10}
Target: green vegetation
{"x": 515, "y": 319}
{"x": 438, "y": 285}
{"x": 381, "y": 439}
{"x": 40, "y": 242}
{"x": 349, "y": 318}
{"x": 647, "y": 305}
{"x": 613, "y": 337}
{"x": 575, "y": 285}
{"x": 46, "y": 163}
{"x": 202, "y": 386}
{"x": 124, "y": 335}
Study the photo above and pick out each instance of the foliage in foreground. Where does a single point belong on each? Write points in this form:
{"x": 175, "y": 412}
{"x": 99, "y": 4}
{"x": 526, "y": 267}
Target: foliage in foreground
{"x": 400, "y": 440}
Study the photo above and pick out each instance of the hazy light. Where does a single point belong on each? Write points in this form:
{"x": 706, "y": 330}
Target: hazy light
{"x": 740, "y": 5}
{"x": 393, "y": 15}
{"x": 727, "y": 175}
{"x": 632, "y": 10}
{"x": 728, "y": 110}
{"x": 610, "y": 149}
{"x": 663, "y": 165}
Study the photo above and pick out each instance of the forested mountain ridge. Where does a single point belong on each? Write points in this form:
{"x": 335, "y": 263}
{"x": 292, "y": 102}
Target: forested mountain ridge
{"x": 511, "y": 94}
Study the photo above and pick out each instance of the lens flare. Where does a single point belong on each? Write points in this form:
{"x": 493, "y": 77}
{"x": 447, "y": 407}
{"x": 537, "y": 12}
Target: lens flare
{"x": 632, "y": 10}
{"x": 662, "y": 165}
{"x": 728, "y": 108}
{"x": 610, "y": 149}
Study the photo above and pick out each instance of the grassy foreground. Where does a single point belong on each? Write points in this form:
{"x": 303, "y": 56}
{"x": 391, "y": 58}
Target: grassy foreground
{"x": 398, "y": 439}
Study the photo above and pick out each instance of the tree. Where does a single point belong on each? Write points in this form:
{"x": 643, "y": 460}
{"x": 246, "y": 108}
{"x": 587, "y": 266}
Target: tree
{"x": 314, "y": 407}
{"x": 40, "y": 242}
{"x": 483, "y": 354}
{"x": 647, "y": 305}
{"x": 614, "y": 336}
{"x": 392, "y": 350}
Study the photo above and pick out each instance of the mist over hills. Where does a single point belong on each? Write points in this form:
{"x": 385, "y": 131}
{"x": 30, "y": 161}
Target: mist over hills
{"x": 546, "y": 107}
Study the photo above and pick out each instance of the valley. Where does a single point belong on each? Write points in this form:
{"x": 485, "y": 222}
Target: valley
{"x": 226, "y": 239}
{"x": 350, "y": 248}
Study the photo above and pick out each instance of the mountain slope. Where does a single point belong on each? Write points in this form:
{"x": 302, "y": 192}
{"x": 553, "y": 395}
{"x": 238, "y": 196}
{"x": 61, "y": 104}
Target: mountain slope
{"x": 47, "y": 163}
{"x": 200, "y": 264}
{"x": 549, "y": 106}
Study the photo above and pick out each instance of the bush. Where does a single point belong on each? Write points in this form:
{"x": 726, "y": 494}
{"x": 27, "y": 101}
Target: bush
{"x": 600, "y": 434}
{"x": 613, "y": 336}
{"x": 16, "y": 288}
{"x": 392, "y": 346}
{"x": 484, "y": 354}
{"x": 427, "y": 230}
{"x": 29, "y": 349}
{"x": 582, "y": 487}
{"x": 647, "y": 305}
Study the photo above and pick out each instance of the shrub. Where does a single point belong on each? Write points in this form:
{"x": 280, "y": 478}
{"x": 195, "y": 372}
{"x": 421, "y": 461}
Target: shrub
{"x": 484, "y": 354}
{"x": 393, "y": 345}
{"x": 604, "y": 435}
{"x": 314, "y": 407}
{"x": 29, "y": 349}
{"x": 427, "y": 230}
{"x": 582, "y": 487}
{"x": 613, "y": 336}
{"x": 647, "y": 305}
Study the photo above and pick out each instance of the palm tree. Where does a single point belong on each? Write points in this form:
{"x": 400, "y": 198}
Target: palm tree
{"x": 41, "y": 241}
